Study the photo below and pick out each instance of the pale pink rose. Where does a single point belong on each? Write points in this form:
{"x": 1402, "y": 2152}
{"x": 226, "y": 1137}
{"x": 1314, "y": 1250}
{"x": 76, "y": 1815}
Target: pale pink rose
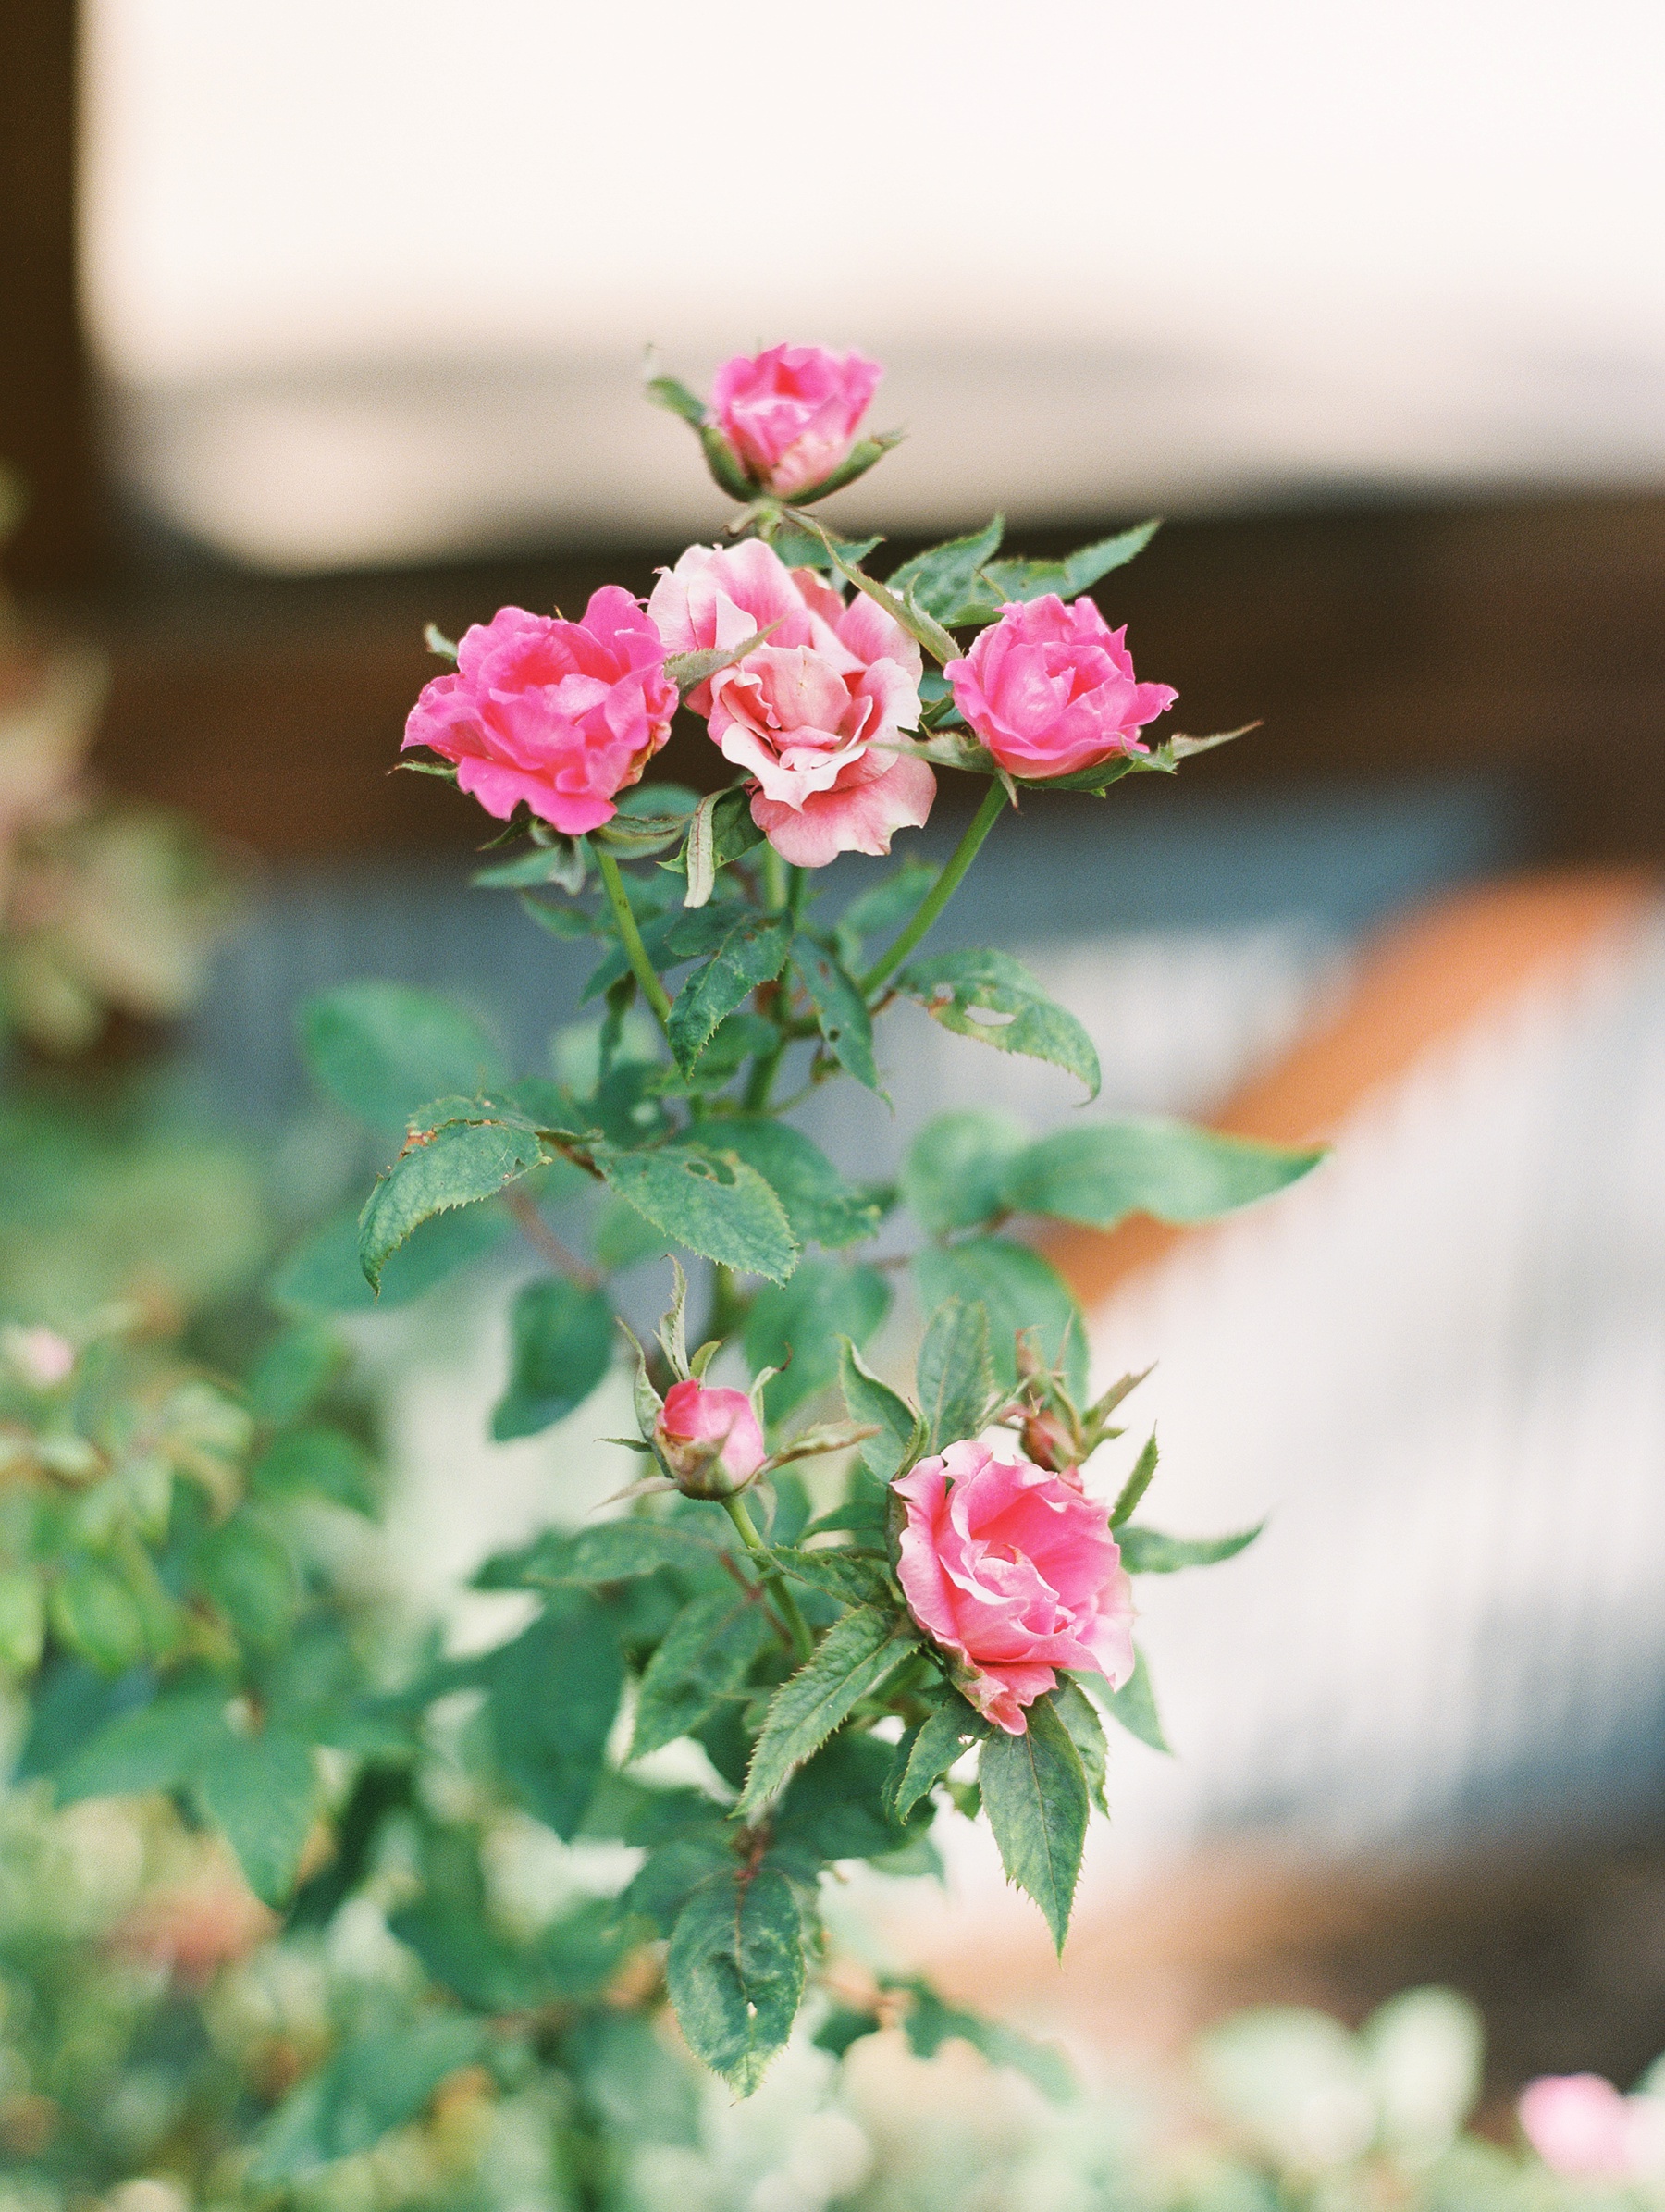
{"x": 40, "y": 1355}
{"x": 1049, "y": 689}
{"x": 791, "y": 413}
{"x": 1014, "y": 1570}
{"x": 710, "y": 1439}
{"x": 561, "y": 714}
{"x": 817, "y": 713}
{"x": 1581, "y": 2124}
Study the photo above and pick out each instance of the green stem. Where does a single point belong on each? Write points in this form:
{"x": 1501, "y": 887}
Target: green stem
{"x": 941, "y": 892}
{"x": 798, "y": 885}
{"x": 802, "y": 1642}
{"x": 630, "y": 936}
{"x": 774, "y": 879}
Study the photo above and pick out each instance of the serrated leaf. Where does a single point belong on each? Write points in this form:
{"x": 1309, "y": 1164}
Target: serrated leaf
{"x": 1035, "y": 1794}
{"x": 926, "y": 1752}
{"x": 955, "y": 1378}
{"x": 552, "y": 1695}
{"x": 797, "y": 549}
{"x": 736, "y": 1971}
{"x": 940, "y": 580}
{"x": 323, "y": 1272}
{"x": 1100, "y": 1173}
{"x": 844, "y": 1574}
{"x": 733, "y": 834}
{"x": 841, "y": 1011}
{"x": 1137, "y": 1484}
{"x": 262, "y": 1792}
{"x": 821, "y": 1207}
{"x": 917, "y": 624}
{"x": 796, "y": 1328}
{"x": 1148, "y": 1551}
{"x": 955, "y": 987}
{"x": 754, "y": 952}
{"x": 689, "y": 671}
{"x": 383, "y": 1049}
{"x": 1019, "y": 1290}
{"x": 456, "y": 1163}
{"x": 870, "y": 1401}
{"x": 702, "y": 1662}
{"x": 1134, "y": 1705}
{"x": 714, "y": 1204}
{"x": 610, "y": 1552}
{"x": 1003, "y": 581}
{"x": 562, "y": 1335}
{"x": 562, "y": 862}
{"x": 856, "y": 1654}
{"x": 955, "y": 1172}
{"x": 1077, "y": 1711}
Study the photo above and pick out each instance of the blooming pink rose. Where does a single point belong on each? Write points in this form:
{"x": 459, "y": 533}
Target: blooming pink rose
{"x": 791, "y": 413}
{"x": 1581, "y": 2124}
{"x": 561, "y": 714}
{"x": 1014, "y": 1571}
{"x": 1049, "y": 689}
{"x": 817, "y": 713}
{"x": 710, "y": 1440}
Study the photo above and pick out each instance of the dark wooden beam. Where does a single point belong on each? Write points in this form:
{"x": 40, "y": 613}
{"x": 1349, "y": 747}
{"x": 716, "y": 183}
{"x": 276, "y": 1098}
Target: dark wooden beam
{"x": 46, "y": 416}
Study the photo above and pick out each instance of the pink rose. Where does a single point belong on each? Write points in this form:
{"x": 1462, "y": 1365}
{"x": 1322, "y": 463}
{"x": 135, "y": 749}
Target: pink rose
{"x": 817, "y": 713}
{"x": 1014, "y": 1571}
{"x": 710, "y": 1439}
{"x": 1049, "y": 689}
{"x": 561, "y": 714}
{"x": 1580, "y": 2124}
{"x": 40, "y": 1355}
{"x": 791, "y": 413}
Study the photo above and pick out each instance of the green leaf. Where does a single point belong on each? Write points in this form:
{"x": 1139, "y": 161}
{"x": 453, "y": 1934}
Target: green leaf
{"x": 797, "y": 549}
{"x": 1100, "y": 1173}
{"x": 609, "y": 1551}
{"x": 1134, "y": 1705}
{"x": 160, "y": 1746}
{"x": 853, "y": 1577}
{"x": 833, "y": 1809}
{"x": 373, "y": 2083}
{"x": 821, "y": 1207}
{"x": 1020, "y": 1290}
{"x": 926, "y": 1752}
{"x": 383, "y": 1049}
{"x": 705, "y": 1658}
{"x": 733, "y": 834}
{"x": 1035, "y": 1794}
{"x": 689, "y": 671}
{"x": 841, "y": 1011}
{"x": 262, "y": 1792}
{"x": 1002, "y": 581}
{"x": 842, "y": 2027}
{"x": 561, "y": 862}
{"x": 294, "y": 1370}
{"x": 796, "y": 1328}
{"x": 753, "y": 952}
{"x": 1148, "y": 1551}
{"x": 856, "y": 462}
{"x": 930, "y": 2024}
{"x": 457, "y": 1163}
{"x": 669, "y": 1876}
{"x": 553, "y": 1693}
{"x": 250, "y": 1575}
{"x": 316, "y": 1463}
{"x": 95, "y": 1614}
{"x": 675, "y": 397}
{"x": 736, "y": 1971}
{"x": 940, "y": 579}
{"x": 22, "y": 1620}
{"x": 854, "y": 1657}
{"x": 623, "y": 1239}
{"x": 868, "y": 1399}
{"x": 1137, "y": 1484}
{"x": 563, "y": 1335}
{"x": 917, "y": 624}
{"x": 715, "y": 1205}
{"x": 955, "y": 1380}
{"x": 955, "y": 1173}
{"x": 323, "y": 1272}
{"x": 955, "y": 987}
{"x": 1077, "y": 1711}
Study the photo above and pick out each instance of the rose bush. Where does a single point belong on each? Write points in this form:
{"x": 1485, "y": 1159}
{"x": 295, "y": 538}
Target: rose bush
{"x": 791, "y": 413}
{"x": 1013, "y": 1570}
{"x": 1049, "y": 689}
{"x": 559, "y": 716}
{"x": 817, "y": 713}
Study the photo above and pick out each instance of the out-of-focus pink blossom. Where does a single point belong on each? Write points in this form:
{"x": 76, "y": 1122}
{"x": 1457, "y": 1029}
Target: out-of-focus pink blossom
{"x": 790, "y": 414}
{"x": 40, "y": 1355}
{"x": 1014, "y": 1571}
{"x": 1581, "y": 2124}
{"x": 561, "y": 714}
{"x": 1049, "y": 689}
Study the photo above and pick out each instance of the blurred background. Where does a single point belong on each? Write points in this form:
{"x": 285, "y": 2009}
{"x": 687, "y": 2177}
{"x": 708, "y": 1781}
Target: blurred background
{"x": 324, "y": 321}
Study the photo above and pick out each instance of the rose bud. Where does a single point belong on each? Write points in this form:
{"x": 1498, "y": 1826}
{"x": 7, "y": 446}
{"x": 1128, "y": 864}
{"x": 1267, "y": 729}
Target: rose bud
{"x": 1014, "y": 1571}
{"x": 561, "y": 714}
{"x": 710, "y": 1439}
{"x": 1049, "y": 689}
{"x": 1049, "y": 1442}
{"x": 791, "y": 413}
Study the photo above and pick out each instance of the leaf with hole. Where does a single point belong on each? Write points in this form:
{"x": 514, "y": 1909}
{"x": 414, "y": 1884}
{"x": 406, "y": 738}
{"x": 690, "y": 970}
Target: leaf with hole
{"x": 463, "y": 1158}
{"x": 714, "y": 1205}
{"x": 736, "y": 1971}
{"x": 841, "y": 1011}
{"x": 956, "y": 988}
{"x": 820, "y": 1206}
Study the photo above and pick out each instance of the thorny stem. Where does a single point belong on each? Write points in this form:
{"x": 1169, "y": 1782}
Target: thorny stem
{"x": 630, "y": 936}
{"x": 941, "y": 892}
{"x": 802, "y": 1642}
